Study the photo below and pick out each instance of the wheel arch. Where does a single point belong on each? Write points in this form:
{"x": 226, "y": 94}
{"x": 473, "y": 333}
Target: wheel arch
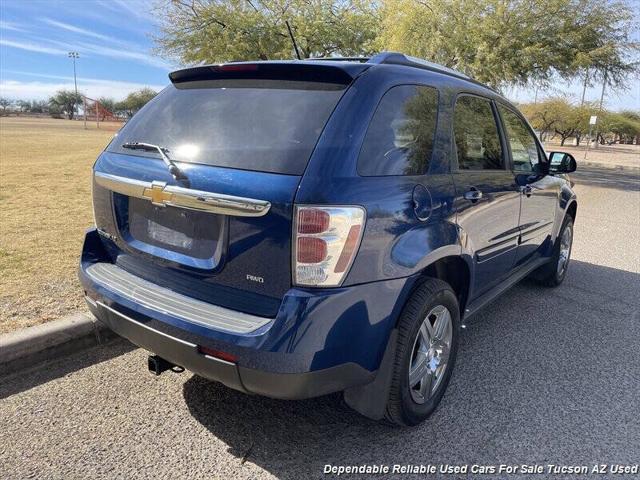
{"x": 455, "y": 271}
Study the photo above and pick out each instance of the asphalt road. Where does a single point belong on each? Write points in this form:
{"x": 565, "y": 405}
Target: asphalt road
{"x": 543, "y": 376}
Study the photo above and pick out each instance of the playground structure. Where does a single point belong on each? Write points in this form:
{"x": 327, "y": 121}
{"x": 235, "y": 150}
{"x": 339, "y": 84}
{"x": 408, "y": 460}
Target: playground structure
{"x": 93, "y": 110}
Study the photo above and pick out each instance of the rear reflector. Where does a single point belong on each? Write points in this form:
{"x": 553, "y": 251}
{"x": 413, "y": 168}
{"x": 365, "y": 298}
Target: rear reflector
{"x": 211, "y": 352}
{"x": 349, "y": 247}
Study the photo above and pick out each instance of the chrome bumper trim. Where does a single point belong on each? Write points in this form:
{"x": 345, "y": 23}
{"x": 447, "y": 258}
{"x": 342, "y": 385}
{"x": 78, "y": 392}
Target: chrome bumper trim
{"x": 161, "y": 194}
{"x": 166, "y": 301}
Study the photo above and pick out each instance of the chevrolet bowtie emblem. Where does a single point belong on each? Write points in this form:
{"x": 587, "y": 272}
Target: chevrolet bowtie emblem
{"x": 157, "y": 195}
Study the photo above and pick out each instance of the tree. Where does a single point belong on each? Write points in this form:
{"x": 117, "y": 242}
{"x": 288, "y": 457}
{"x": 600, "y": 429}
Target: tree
{"x": 634, "y": 120}
{"x": 559, "y": 116}
{"x": 607, "y": 47}
{"x": 66, "y": 101}
{"x": 134, "y": 101}
{"x": 565, "y": 120}
{"x": 583, "y": 115}
{"x": 621, "y": 127}
{"x": 223, "y": 30}
{"x": 572, "y": 121}
{"x": 39, "y": 106}
{"x": 23, "y": 105}
{"x": 5, "y": 103}
{"x": 32, "y": 106}
{"x": 545, "y": 115}
{"x": 502, "y": 42}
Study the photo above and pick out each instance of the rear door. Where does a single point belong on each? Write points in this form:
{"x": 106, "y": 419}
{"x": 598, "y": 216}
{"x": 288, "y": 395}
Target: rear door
{"x": 539, "y": 191}
{"x": 242, "y": 136}
{"x": 487, "y": 197}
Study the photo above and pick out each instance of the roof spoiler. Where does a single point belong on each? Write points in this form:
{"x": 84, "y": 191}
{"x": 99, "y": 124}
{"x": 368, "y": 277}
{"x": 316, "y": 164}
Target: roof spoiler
{"x": 342, "y": 74}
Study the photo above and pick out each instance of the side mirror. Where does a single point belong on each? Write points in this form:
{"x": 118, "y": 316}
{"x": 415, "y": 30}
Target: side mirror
{"x": 561, "y": 162}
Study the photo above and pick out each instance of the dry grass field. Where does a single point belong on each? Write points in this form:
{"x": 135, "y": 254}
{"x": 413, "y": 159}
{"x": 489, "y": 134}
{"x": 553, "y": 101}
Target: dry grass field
{"x": 45, "y": 206}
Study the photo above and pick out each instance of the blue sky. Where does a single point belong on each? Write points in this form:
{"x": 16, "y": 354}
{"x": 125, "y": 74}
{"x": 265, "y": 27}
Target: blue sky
{"x": 114, "y": 39}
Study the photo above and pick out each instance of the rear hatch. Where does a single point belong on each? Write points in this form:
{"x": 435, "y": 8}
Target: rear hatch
{"x": 241, "y": 136}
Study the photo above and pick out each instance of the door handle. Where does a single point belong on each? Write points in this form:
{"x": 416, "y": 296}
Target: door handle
{"x": 473, "y": 195}
{"x": 526, "y": 190}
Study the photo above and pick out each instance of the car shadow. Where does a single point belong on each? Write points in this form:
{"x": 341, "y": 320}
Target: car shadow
{"x": 530, "y": 383}
{"x": 45, "y": 371}
{"x": 607, "y": 178}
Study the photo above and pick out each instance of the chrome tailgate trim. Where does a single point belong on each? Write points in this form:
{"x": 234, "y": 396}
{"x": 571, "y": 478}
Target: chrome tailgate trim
{"x": 163, "y": 300}
{"x": 159, "y": 193}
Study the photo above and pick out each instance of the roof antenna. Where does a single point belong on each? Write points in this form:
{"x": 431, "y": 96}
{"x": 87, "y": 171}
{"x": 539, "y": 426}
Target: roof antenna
{"x": 295, "y": 45}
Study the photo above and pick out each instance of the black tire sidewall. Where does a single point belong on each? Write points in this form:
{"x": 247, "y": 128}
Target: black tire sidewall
{"x": 413, "y": 412}
{"x": 558, "y": 278}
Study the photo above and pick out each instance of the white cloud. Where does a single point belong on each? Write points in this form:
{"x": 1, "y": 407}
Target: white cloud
{"x": 32, "y": 47}
{"x": 72, "y": 28}
{"x": 143, "y": 9}
{"x": 127, "y": 52}
{"x": 124, "y": 54}
{"x": 91, "y": 87}
{"x": 4, "y": 25}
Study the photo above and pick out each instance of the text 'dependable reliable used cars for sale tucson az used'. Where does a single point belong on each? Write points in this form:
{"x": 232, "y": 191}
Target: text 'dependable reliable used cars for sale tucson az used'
{"x": 299, "y": 228}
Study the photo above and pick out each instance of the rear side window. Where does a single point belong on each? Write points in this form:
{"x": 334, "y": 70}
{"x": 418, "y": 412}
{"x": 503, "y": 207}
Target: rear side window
{"x": 399, "y": 140}
{"x": 263, "y": 125}
{"x": 476, "y": 134}
{"x": 524, "y": 150}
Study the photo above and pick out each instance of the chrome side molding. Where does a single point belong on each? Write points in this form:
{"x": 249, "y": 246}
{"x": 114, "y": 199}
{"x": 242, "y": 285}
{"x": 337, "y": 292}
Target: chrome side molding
{"x": 161, "y": 194}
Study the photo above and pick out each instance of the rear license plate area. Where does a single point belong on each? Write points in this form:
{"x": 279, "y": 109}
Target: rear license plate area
{"x": 185, "y": 236}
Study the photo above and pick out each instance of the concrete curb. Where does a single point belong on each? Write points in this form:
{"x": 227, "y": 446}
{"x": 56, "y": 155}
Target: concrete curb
{"x": 25, "y": 348}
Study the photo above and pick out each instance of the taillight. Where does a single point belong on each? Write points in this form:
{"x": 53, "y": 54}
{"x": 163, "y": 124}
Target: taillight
{"x": 312, "y": 220}
{"x": 311, "y": 250}
{"x": 326, "y": 240}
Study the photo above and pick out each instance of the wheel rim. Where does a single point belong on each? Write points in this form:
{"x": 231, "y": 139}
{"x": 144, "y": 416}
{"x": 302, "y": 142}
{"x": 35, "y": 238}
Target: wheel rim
{"x": 565, "y": 250}
{"x": 430, "y": 354}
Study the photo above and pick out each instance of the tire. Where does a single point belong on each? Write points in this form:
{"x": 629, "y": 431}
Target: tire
{"x": 408, "y": 404}
{"x": 553, "y": 273}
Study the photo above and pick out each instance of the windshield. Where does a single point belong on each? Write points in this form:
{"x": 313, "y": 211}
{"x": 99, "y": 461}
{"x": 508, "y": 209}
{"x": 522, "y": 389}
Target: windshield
{"x": 264, "y": 125}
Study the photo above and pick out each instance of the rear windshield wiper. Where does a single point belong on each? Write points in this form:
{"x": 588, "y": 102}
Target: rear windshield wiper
{"x": 149, "y": 147}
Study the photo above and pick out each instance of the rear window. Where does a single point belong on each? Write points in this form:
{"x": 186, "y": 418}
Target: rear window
{"x": 263, "y": 125}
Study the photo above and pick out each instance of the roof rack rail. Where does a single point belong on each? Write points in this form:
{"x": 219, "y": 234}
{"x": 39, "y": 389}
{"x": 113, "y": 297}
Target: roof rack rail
{"x": 341, "y": 59}
{"x": 396, "y": 58}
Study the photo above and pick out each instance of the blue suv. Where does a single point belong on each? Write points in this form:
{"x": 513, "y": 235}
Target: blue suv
{"x": 297, "y": 228}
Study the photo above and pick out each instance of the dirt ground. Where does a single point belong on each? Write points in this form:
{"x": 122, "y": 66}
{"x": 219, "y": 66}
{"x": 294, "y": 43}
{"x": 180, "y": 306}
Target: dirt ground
{"x": 45, "y": 206}
{"x": 613, "y": 156}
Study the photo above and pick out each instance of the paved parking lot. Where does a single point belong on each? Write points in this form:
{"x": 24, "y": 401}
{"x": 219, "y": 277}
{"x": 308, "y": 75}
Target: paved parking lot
{"x": 543, "y": 376}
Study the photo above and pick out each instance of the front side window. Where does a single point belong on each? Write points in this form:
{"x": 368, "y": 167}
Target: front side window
{"x": 399, "y": 140}
{"x": 476, "y": 135}
{"x": 524, "y": 150}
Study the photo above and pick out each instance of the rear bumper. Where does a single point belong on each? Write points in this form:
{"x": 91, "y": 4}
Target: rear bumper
{"x": 247, "y": 380}
{"x": 320, "y": 341}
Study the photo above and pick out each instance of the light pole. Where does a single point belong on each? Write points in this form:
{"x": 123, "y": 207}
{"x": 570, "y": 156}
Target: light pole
{"x": 74, "y": 55}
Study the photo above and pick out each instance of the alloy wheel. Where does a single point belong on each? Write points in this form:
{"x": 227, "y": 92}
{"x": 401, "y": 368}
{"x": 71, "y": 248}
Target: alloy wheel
{"x": 430, "y": 354}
